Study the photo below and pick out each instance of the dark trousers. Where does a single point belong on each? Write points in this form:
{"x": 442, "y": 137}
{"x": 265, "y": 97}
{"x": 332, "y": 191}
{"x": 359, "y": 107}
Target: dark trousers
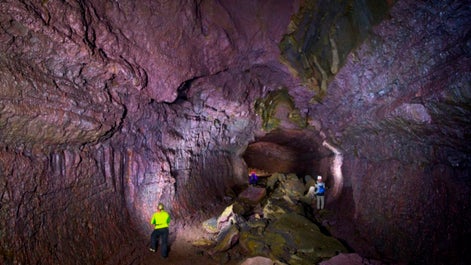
{"x": 161, "y": 233}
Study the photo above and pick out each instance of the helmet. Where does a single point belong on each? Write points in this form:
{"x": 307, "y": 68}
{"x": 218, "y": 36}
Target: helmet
{"x": 161, "y": 206}
{"x": 319, "y": 177}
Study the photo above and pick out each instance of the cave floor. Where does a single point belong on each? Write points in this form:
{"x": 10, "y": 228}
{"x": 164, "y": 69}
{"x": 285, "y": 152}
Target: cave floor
{"x": 182, "y": 252}
{"x": 183, "y": 233}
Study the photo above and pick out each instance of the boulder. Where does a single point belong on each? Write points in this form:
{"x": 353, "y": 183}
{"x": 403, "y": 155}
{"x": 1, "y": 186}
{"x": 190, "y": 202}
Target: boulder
{"x": 226, "y": 218}
{"x": 292, "y": 186}
{"x": 303, "y": 237}
{"x": 273, "y": 180}
{"x": 202, "y": 242}
{"x": 272, "y": 210}
{"x": 276, "y": 206}
{"x": 260, "y": 261}
{"x": 266, "y": 245}
{"x": 292, "y": 238}
{"x": 226, "y": 239}
{"x": 308, "y": 182}
{"x": 211, "y": 226}
{"x": 252, "y": 195}
{"x": 349, "y": 259}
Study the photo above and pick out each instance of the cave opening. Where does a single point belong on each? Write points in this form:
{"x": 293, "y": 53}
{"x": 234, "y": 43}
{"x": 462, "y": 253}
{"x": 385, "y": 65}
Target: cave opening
{"x": 298, "y": 151}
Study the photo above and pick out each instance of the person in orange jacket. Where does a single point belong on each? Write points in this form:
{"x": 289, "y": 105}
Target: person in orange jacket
{"x": 160, "y": 220}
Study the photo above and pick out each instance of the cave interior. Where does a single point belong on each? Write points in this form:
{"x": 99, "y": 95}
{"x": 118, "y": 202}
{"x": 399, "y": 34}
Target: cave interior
{"x": 109, "y": 107}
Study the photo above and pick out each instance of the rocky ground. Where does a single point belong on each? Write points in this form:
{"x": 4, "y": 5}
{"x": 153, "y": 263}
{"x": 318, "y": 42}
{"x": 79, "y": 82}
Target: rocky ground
{"x": 192, "y": 244}
{"x": 182, "y": 251}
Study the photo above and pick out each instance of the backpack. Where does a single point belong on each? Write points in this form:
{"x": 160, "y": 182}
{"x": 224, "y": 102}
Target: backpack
{"x": 320, "y": 189}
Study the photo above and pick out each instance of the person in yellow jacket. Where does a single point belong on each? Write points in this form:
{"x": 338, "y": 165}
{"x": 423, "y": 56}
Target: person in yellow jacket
{"x": 160, "y": 220}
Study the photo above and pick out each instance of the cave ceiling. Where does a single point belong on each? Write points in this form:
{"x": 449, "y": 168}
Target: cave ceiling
{"x": 73, "y": 71}
{"x": 293, "y": 73}
{"x": 187, "y": 77}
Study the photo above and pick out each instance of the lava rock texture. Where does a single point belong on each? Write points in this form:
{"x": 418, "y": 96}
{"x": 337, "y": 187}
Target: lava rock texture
{"x": 107, "y": 107}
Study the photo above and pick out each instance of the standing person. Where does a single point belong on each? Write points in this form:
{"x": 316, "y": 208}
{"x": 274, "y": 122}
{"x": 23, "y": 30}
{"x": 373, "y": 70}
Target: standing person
{"x": 320, "y": 190}
{"x": 160, "y": 220}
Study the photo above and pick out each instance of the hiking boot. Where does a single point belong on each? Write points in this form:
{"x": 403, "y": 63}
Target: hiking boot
{"x": 152, "y": 250}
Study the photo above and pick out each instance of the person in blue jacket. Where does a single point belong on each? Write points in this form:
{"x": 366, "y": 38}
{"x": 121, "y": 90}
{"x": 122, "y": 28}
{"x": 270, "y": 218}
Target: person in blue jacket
{"x": 320, "y": 191}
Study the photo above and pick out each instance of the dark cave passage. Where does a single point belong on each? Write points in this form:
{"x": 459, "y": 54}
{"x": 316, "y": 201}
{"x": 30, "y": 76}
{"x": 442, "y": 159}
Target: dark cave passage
{"x": 298, "y": 151}
{"x": 286, "y": 151}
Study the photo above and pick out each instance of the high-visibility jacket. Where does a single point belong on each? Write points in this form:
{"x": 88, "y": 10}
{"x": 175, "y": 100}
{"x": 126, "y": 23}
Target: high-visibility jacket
{"x": 160, "y": 219}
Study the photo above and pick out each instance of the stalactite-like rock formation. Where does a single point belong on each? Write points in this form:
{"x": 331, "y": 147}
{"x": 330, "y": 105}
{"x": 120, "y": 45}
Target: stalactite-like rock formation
{"x": 107, "y": 107}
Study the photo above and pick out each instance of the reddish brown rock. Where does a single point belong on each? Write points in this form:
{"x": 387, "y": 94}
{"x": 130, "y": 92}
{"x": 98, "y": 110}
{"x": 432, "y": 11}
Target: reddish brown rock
{"x": 252, "y": 195}
{"x": 350, "y": 259}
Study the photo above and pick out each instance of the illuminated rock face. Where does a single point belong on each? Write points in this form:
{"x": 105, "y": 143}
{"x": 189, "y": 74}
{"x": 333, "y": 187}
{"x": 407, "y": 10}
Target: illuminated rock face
{"x": 107, "y": 108}
{"x": 399, "y": 110}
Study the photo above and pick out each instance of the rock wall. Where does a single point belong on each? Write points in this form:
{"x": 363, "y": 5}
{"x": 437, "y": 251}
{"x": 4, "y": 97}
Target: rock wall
{"x": 107, "y": 108}
{"x": 57, "y": 206}
{"x": 187, "y": 153}
{"x": 399, "y": 112}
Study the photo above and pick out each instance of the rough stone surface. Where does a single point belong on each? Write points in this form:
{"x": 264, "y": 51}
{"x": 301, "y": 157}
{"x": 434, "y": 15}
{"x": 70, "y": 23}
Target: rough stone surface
{"x": 397, "y": 111}
{"x": 350, "y": 259}
{"x": 287, "y": 236}
{"x": 302, "y": 240}
{"x": 211, "y": 225}
{"x": 226, "y": 239}
{"x": 252, "y": 195}
{"x": 258, "y": 261}
{"x": 108, "y": 107}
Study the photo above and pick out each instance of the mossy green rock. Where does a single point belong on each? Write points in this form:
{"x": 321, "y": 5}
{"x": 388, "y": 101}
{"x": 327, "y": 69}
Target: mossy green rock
{"x": 265, "y": 245}
{"x": 292, "y": 187}
{"x": 304, "y": 238}
{"x": 279, "y": 101}
{"x": 292, "y": 238}
{"x": 272, "y": 210}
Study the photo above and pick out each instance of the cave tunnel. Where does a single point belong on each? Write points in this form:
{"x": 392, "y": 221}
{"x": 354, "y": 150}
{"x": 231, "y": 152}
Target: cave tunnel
{"x": 286, "y": 152}
{"x": 108, "y": 108}
{"x": 302, "y": 152}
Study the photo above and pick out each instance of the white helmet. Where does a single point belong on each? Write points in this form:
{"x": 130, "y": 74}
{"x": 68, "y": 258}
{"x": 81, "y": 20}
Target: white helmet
{"x": 319, "y": 177}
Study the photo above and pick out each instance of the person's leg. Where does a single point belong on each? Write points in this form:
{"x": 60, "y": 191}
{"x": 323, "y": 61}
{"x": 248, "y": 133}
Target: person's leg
{"x": 322, "y": 202}
{"x": 318, "y": 199}
{"x": 153, "y": 240}
{"x": 164, "y": 242}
